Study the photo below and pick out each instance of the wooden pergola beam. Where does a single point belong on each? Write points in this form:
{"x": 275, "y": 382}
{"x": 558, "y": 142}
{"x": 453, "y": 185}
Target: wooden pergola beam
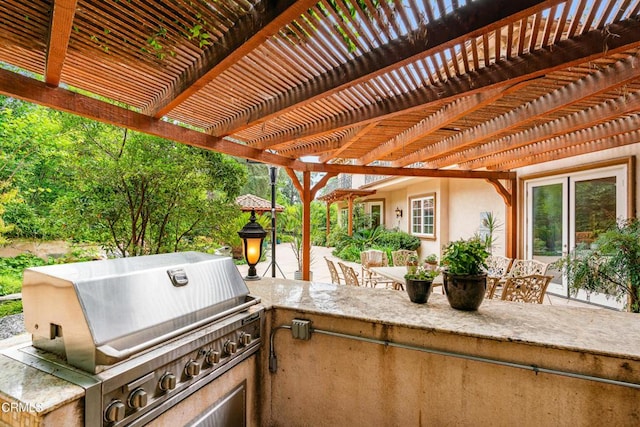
{"x": 618, "y": 74}
{"x": 417, "y": 172}
{"x": 311, "y": 148}
{"x": 564, "y": 54}
{"x": 625, "y": 104}
{"x": 461, "y": 24}
{"x": 294, "y": 180}
{"x": 62, "y": 16}
{"x": 444, "y": 116}
{"x": 246, "y": 35}
{"x": 22, "y": 87}
{"x": 601, "y": 131}
{"x": 361, "y": 131}
{"x": 570, "y": 150}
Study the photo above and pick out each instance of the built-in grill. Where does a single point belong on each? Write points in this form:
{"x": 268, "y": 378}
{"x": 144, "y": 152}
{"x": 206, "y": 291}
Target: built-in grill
{"x": 139, "y": 334}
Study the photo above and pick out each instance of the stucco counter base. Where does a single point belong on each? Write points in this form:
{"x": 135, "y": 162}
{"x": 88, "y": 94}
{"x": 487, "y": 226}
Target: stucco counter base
{"x": 375, "y": 358}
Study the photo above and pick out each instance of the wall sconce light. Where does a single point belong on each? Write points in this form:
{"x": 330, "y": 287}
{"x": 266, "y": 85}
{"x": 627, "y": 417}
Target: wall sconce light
{"x": 398, "y": 213}
{"x": 252, "y": 235}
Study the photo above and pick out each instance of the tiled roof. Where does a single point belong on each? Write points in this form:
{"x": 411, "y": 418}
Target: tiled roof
{"x": 249, "y": 202}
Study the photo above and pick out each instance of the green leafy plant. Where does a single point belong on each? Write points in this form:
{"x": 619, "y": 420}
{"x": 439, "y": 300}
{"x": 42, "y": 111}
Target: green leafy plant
{"x": 489, "y": 227}
{"x": 10, "y": 307}
{"x": 431, "y": 259}
{"x": 421, "y": 273}
{"x": 612, "y": 267}
{"x": 465, "y": 257}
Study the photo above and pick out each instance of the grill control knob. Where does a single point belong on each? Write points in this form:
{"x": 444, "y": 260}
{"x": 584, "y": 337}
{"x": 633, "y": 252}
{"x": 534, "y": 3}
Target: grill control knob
{"x": 212, "y": 357}
{"x": 137, "y": 398}
{"x": 192, "y": 368}
{"x": 230, "y": 348}
{"x": 167, "y": 382}
{"x": 114, "y": 412}
{"x": 245, "y": 338}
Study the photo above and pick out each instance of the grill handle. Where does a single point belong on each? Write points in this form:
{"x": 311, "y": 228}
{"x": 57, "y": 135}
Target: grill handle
{"x": 118, "y": 355}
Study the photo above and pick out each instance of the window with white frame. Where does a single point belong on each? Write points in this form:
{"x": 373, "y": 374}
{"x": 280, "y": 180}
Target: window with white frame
{"x": 423, "y": 216}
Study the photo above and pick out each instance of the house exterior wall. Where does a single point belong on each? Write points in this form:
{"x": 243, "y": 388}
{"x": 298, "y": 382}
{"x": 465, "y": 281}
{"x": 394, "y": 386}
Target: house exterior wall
{"x": 459, "y": 204}
{"x": 468, "y": 199}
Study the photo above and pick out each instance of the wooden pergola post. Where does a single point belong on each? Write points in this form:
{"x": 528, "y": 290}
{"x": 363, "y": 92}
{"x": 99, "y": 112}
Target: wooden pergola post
{"x": 306, "y": 224}
{"x": 350, "y": 219}
{"x": 307, "y": 194}
{"x": 509, "y": 195}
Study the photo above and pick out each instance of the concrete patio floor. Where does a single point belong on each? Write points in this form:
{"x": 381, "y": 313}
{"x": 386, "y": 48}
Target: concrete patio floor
{"x": 286, "y": 265}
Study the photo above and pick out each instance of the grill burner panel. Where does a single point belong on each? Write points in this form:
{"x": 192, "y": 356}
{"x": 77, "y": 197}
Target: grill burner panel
{"x": 139, "y": 389}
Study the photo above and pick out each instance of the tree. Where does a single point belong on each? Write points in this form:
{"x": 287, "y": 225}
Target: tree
{"x": 611, "y": 267}
{"x": 33, "y": 159}
{"x": 6, "y": 196}
{"x": 146, "y": 195}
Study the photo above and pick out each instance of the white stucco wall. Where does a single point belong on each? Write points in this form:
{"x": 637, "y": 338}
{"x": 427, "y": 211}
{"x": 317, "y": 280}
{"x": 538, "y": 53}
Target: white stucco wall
{"x": 468, "y": 198}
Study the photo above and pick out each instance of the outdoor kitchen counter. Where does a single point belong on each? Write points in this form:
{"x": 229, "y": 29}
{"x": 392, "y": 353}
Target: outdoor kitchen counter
{"x": 29, "y": 396}
{"x": 597, "y": 331}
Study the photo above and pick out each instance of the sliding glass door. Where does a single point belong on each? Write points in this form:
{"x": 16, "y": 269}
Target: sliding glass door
{"x": 568, "y": 212}
{"x": 547, "y": 234}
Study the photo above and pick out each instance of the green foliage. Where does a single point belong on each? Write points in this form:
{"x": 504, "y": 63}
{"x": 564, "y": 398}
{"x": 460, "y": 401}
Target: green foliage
{"x": 8, "y": 308}
{"x": 612, "y": 267}
{"x": 11, "y": 271}
{"x": 33, "y": 159}
{"x": 349, "y": 247}
{"x": 421, "y": 273}
{"x": 465, "y": 257}
{"x": 145, "y": 195}
{"x": 398, "y": 240}
{"x": 6, "y": 196}
{"x": 547, "y": 219}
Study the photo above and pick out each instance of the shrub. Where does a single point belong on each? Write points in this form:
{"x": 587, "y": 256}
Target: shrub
{"x": 349, "y": 247}
{"x": 396, "y": 239}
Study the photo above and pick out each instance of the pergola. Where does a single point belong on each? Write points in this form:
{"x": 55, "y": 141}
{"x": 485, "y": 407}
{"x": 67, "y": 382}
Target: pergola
{"x": 446, "y": 88}
{"x": 341, "y": 194}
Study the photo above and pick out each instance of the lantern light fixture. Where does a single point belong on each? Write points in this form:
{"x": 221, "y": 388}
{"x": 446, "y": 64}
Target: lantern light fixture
{"x": 252, "y": 235}
{"x": 398, "y": 212}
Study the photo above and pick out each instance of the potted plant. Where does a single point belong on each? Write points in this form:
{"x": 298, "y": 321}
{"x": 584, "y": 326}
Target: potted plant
{"x": 296, "y": 246}
{"x": 431, "y": 262}
{"x": 412, "y": 264}
{"x": 611, "y": 264}
{"x": 464, "y": 274}
{"x": 419, "y": 284}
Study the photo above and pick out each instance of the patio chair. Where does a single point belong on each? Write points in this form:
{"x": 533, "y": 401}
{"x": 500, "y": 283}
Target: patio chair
{"x": 525, "y": 267}
{"x": 372, "y": 258}
{"x": 497, "y": 269}
{"x": 401, "y": 256}
{"x": 350, "y": 275}
{"x": 335, "y": 276}
{"x": 528, "y": 289}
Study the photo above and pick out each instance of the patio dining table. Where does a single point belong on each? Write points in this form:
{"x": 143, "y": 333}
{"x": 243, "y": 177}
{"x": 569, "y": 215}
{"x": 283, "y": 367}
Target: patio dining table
{"x": 397, "y": 275}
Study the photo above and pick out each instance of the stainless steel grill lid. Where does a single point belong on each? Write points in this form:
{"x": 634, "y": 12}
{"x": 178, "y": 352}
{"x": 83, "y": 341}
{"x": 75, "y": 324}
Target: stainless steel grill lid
{"x": 100, "y": 312}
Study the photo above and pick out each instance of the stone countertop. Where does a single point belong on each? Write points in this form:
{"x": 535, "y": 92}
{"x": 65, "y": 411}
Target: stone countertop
{"x": 38, "y": 390}
{"x": 603, "y": 331}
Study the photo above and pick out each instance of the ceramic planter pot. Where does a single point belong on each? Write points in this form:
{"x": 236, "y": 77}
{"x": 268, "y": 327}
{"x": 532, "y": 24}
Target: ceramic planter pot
{"x": 419, "y": 290}
{"x": 465, "y": 292}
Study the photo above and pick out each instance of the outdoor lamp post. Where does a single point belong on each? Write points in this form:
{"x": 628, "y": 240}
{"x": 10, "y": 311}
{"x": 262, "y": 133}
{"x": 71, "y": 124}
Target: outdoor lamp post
{"x": 252, "y": 235}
